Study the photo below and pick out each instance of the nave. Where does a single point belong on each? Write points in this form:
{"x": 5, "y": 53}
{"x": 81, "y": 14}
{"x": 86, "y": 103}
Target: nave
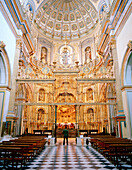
{"x": 70, "y": 157}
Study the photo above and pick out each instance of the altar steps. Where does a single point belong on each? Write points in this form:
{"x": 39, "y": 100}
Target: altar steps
{"x": 72, "y": 133}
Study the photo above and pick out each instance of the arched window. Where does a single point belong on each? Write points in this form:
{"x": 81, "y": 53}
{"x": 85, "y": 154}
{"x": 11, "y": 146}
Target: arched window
{"x": 44, "y": 54}
{"x": 129, "y": 71}
{"x": 89, "y": 94}
{"x": 2, "y": 71}
{"x": 41, "y": 95}
{"x": 88, "y": 54}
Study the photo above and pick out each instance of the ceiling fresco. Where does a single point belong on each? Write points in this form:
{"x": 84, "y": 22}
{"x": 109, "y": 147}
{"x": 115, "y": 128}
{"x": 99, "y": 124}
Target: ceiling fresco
{"x": 66, "y": 19}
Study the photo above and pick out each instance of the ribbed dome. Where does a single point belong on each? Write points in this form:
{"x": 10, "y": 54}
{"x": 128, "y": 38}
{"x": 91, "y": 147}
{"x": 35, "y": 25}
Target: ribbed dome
{"x": 66, "y": 19}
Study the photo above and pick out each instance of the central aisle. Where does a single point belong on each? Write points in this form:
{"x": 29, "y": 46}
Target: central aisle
{"x": 70, "y": 157}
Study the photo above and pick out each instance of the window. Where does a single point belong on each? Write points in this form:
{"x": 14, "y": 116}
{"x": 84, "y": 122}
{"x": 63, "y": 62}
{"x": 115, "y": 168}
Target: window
{"x": 129, "y": 71}
{"x": 2, "y": 71}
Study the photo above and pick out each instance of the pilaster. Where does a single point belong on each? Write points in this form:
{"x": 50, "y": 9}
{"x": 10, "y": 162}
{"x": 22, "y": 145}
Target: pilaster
{"x": 113, "y": 52}
{"x": 11, "y": 113}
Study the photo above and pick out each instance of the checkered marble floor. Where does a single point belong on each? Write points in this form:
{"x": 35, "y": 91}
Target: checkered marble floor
{"x": 70, "y": 157}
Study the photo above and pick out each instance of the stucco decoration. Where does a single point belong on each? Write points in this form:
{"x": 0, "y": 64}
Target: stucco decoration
{"x": 66, "y": 19}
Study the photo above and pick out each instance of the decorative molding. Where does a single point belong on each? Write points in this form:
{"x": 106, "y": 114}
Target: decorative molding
{"x": 126, "y": 87}
{"x": 53, "y": 104}
{"x": 2, "y": 44}
{"x": 129, "y": 45}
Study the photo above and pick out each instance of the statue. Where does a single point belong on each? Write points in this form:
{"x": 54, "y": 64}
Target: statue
{"x": 88, "y": 54}
{"x": 41, "y": 95}
{"x": 44, "y": 55}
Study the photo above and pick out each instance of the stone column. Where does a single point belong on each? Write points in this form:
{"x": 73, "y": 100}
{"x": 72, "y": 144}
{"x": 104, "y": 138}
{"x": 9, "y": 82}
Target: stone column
{"x": 11, "y": 114}
{"x": 113, "y": 51}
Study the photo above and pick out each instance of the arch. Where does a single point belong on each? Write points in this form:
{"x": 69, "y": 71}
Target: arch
{"x": 66, "y": 97}
{"x": 126, "y": 83}
{"x": 128, "y": 71}
{"x": 6, "y": 70}
{"x": 2, "y": 71}
{"x": 125, "y": 62}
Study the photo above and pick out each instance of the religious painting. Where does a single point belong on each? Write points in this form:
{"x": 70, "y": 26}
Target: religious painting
{"x": 48, "y": 11}
{"x": 59, "y": 17}
{"x": 65, "y": 28}
{"x": 44, "y": 54}
{"x": 50, "y": 24}
{"x": 93, "y": 14}
{"x": 58, "y": 26}
{"x": 74, "y": 27}
{"x": 65, "y": 53}
{"x": 53, "y": 14}
{"x": 40, "y": 114}
{"x": 41, "y": 95}
{"x": 45, "y": 6}
{"x": 88, "y": 21}
{"x": 83, "y": 11}
{"x": 87, "y": 6}
{"x": 66, "y": 17}
{"x": 72, "y": 17}
{"x": 43, "y": 20}
{"x": 81, "y": 24}
{"x": 78, "y": 16}
{"x": 38, "y": 14}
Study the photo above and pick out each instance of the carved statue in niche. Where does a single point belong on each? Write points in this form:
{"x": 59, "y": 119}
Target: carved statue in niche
{"x": 44, "y": 55}
{"x": 29, "y": 12}
{"x": 42, "y": 95}
{"x": 40, "y": 114}
{"x": 65, "y": 56}
{"x": 88, "y": 54}
{"x": 90, "y": 113}
{"x": 89, "y": 94}
{"x": 103, "y": 11}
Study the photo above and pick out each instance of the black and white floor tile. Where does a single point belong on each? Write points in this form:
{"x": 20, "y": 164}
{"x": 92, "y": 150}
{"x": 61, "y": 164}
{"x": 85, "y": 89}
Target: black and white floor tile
{"x": 70, "y": 157}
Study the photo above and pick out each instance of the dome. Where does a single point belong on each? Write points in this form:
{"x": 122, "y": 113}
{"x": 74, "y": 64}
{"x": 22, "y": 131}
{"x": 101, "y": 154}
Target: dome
{"x": 66, "y": 19}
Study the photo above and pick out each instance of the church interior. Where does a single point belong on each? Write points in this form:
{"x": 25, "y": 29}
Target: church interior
{"x": 66, "y": 63}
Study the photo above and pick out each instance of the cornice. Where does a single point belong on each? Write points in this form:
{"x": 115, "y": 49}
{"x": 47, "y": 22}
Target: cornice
{"x": 22, "y": 23}
{"x": 115, "y": 14}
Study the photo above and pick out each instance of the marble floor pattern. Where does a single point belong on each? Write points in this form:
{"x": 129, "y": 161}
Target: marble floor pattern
{"x": 70, "y": 157}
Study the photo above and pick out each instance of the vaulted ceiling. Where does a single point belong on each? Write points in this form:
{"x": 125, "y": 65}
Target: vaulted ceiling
{"x": 66, "y": 19}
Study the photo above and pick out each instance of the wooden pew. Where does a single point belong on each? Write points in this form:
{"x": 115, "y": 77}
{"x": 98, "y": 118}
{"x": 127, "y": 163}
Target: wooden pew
{"x": 21, "y": 150}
